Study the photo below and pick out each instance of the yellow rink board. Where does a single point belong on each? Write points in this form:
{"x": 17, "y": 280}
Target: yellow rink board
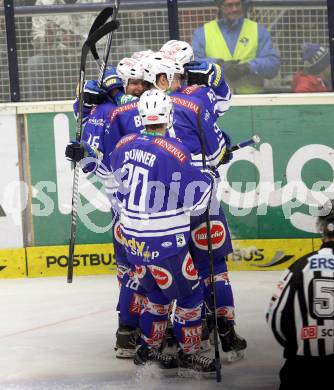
{"x": 268, "y": 255}
{"x": 92, "y": 259}
{"x": 12, "y": 263}
{"x": 97, "y": 259}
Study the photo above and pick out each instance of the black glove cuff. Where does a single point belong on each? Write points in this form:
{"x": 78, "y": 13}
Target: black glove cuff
{"x": 197, "y": 78}
{"x": 94, "y": 99}
{"x": 227, "y": 157}
{"x": 75, "y": 152}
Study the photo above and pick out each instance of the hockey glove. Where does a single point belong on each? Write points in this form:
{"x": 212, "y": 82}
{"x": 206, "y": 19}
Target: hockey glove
{"x": 77, "y": 151}
{"x": 93, "y": 94}
{"x": 204, "y": 73}
{"x": 227, "y": 157}
{"x": 111, "y": 81}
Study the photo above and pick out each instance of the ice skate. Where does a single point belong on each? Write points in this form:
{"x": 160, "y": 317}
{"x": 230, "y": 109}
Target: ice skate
{"x": 191, "y": 365}
{"x": 126, "y": 338}
{"x": 233, "y": 345}
{"x": 147, "y": 355}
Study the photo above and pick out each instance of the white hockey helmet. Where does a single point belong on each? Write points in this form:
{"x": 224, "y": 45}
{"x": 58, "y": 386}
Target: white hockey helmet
{"x": 129, "y": 68}
{"x": 179, "y": 51}
{"x": 139, "y": 55}
{"x": 157, "y": 64}
{"x": 155, "y": 107}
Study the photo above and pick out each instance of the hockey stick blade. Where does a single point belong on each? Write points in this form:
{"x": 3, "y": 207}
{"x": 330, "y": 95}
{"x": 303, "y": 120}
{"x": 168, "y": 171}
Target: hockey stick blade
{"x": 101, "y": 32}
{"x": 100, "y": 20}
{"x": 103, "y": 63}
{"x": 95, "y": 37}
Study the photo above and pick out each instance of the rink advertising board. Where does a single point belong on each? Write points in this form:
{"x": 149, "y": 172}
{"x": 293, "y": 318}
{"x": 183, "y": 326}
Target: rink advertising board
{"x": 97, "y": 259}
{"x": 13, "y": 263}
{"x": 51, "y": 180}
{"x": 268, "y": 255}
{"x": 271, "y": 190}
{"x": 53, "y": 260}
{"x": 10, "y": 193}
{"x": 260, "y": 196}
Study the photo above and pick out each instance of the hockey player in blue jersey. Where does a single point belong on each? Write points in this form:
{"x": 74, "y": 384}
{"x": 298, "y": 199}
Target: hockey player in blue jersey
{"x": 193, "y": 118}
{"x": 187, "y": 107}
{"x": 157, "y": 189}
{"x": 201, "y": 74}
{"x": 121, "y": 85}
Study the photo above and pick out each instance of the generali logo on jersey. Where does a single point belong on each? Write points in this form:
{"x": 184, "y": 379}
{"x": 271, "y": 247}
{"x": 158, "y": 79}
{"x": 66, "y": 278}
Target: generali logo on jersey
{"x": 125, "y": 140}
{"x": 217, "y": 233}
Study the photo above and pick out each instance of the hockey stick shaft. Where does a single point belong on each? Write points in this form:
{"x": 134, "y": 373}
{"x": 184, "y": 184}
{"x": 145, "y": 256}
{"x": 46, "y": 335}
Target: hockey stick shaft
{"x": 89, "y": 43}
{"x": 211, "y": 257}
{"x": 254, "y": 140}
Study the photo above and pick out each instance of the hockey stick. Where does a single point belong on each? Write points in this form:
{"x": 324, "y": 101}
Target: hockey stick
{"x": 103, "y": 63}
{"x": 88, "y": 44}
{"x": 101, "y": 19}
{"x": 211, "y": 257}
{"x": 254, "y": 140}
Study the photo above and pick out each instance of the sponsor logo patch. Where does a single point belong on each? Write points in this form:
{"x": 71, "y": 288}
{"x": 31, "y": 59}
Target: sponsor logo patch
{"x": 157, "y": 332}
{"x": 124, "y": 108}
{"x": 186, "y": 103}
{"x": 180, "y": 240}
{"x": 188, "y": 269}
{"x": 226, "y": 311}
{"x": 166, "y": 244}
{"x": 136, "y": 304}
{"x": 191, "y": 337}
{"x": 163, "y": 277}
{"x": 140, "y": 271}
{"x": 170, "y": 148}
{"x": 117, "y": 233}
{"x": 153, "y": 117}
{"x": 309, "y": 332}
{"x": 125, "y": 140}
{"x": 183, "y": 314}
{"x": 218, "y": 235}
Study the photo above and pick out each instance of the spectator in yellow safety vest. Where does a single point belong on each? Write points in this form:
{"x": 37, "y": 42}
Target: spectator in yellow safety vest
{"x": 242, "y": 46}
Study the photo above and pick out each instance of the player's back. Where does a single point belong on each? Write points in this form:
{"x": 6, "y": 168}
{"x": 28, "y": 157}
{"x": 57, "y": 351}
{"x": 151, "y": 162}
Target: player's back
{"x": 107, "y": 124}
{"x": 191, "y": 117}
{"x": 156, "y": 191}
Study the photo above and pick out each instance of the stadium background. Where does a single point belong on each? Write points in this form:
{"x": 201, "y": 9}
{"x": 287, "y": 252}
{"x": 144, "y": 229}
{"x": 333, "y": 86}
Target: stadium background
{"x": 36, "y": 123}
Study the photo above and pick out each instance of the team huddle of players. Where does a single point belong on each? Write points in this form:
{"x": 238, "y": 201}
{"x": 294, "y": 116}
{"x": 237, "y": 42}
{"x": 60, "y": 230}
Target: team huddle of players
{"x": 150, "y": 132}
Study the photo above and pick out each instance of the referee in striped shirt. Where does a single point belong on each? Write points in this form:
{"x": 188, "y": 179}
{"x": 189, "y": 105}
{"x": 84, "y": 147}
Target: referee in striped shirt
{"x": 301, "y": 314}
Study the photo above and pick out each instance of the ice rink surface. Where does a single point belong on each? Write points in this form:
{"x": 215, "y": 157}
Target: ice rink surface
{"x": 56, "y": 336}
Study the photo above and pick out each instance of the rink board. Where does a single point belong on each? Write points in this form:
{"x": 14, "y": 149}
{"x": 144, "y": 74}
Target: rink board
{"x": 53, "y": 260}
{"x": 10, "y": 188}
{"x": 97, "y": 259}
{"x": 13, "y": 263}
{"x": 259, "y": 194}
